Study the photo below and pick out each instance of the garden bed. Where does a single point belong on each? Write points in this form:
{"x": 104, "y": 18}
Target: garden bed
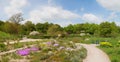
{"x": 48, "y": 51}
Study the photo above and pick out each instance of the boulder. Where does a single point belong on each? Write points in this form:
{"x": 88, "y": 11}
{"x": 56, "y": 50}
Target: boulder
{"x": 34, "y": 33}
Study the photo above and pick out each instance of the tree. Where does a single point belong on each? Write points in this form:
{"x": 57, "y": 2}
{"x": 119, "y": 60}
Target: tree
{"x": 54, "y": 30}
{"x": 108, "y": 29}
{"x": 77, "y": 28}
{"x": 115, "y": 30}
{"x": 29, "y": 26}
{"x": 1, "y": 24}
{"x": 93, "y": 29}
{"x": 16, "y": 18}
{"x": 43, "y": 27}
{"x": 69, "y": 29}
{"x": 10, "y": 28}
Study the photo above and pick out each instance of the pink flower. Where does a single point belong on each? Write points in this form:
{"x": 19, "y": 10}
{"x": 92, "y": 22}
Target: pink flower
{"x": 49, "y": 43}
{"x": 56, "y": 45}
{"x": 34, "y": 49}
{"x": 26, "y": 51}
{"x": 23, "y": 52}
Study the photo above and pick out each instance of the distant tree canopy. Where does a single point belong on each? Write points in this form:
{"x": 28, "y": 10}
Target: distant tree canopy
{"x": 54, "y": 30}
{"x": 104, "y": 29}
{"x": 108, "y": 29}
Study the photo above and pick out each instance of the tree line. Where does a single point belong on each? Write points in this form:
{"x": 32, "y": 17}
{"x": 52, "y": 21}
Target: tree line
{"x": 13, "y": 26}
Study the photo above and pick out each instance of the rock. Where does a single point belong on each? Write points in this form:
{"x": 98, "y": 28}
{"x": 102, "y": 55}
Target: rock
{"x": 34, "y": 33}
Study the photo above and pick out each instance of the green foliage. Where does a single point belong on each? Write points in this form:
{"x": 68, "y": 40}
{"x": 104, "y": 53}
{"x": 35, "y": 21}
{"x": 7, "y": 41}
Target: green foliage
{"x": 43, "y": 27}
{"x": 113, "y": 52}
{"x": 105, "y": 29}
{"x": 4, "y": 35}
{"x": 29, "y": 26}
{"x": 50, "y": 53}
{"x": 4, "y": 59}
{"x": 7, "y": 28}
{"x": 68, "y": 56}
{"x": 118, "y": 44}
{"x": 54, "y": 30}
{"x": 105, "y": 44}
{"x": 2, "y": 47}
{"x": 108, "y": 29}
{"x": 15, "y": 56}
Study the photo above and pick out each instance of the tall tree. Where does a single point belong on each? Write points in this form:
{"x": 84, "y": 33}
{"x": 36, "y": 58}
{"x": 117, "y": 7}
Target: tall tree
{"x": 69, "y": 29}
{"x": 54, "y": 30}
{"x": 16, "y": 18}
{"x": 29, "y": 26}
{"x": 108, "y": 29}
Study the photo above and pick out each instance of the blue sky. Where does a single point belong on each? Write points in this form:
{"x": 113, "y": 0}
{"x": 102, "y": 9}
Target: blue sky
{"x": 62, "y": 12}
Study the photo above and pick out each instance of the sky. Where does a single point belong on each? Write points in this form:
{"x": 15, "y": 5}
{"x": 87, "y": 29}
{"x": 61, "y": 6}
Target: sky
{"x": 62, "y": 12}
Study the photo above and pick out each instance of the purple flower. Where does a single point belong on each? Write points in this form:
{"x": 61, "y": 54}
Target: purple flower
{"x": 34, "y": 48}
{"x": 23, "y": 52}
{"x": 56, "y": 45}
{"x": 48, "y": 43}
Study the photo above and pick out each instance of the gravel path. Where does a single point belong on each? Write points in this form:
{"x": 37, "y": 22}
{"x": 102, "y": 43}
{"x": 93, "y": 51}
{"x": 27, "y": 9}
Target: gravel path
{"x": 24, "y": 40}
{"x": 94, "y": 54}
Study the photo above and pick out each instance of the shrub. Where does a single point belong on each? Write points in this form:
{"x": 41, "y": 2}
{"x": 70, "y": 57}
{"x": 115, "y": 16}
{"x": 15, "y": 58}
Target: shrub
{"x": 118, "y": 44}
{"x": 2, "y": 47}
{"x": 105, "y": 44}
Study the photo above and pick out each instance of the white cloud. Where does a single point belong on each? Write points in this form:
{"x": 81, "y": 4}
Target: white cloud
{"x": 117, "y": 23}
{"x": 63, "y": 23}
{"x": 113, "y": 5}
{"x": 49, "y": 13}
{"x": 91, "y": 18}
{"x": 15, "y": 6}
{"x": 112, "y": 16}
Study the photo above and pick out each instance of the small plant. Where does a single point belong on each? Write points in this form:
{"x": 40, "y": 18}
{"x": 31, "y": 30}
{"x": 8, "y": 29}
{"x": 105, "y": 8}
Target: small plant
{"x": 105, "y": 44}
{"x": 5, "y": 59}
{"x": 2, "y": 47}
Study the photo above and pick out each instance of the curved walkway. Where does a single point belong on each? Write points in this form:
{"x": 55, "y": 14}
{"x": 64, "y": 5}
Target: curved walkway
{"x": 94, "y": 54}
{"x": 24, "y": 40}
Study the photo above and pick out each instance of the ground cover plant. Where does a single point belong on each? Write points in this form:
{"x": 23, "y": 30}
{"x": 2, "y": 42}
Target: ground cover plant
{"x": 49, "y": 51}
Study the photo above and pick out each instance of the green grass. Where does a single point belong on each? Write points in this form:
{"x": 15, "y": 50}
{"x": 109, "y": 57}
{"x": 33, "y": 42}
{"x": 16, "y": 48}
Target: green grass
{"x": 6, "y": 36}
{"x": 113, "y": 53}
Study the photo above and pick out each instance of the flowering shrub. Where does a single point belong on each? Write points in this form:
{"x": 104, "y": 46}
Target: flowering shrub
{"x": 23, "y": 52}
{"x": 27, "y": 51}
{"x": 105, "y": 44}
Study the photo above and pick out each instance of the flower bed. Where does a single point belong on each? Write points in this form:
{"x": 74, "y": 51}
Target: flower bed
{"x": 50, "y": 51}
